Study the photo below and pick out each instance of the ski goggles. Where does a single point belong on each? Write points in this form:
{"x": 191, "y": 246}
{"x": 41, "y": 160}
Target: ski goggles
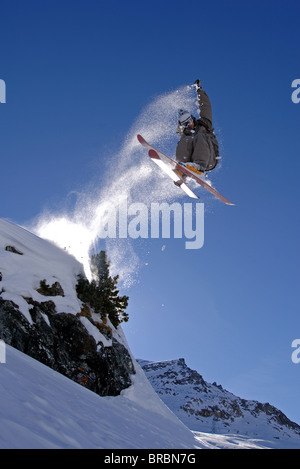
{"x": 186, "y": 123}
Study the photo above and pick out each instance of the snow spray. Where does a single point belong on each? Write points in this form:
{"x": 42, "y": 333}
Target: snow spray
{"x": 136, "y": 180}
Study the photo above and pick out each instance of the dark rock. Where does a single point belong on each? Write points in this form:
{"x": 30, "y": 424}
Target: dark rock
{"x": 60, "y": 341}
{"x": 14, "y": 250}
{"x": 54, "y": 290}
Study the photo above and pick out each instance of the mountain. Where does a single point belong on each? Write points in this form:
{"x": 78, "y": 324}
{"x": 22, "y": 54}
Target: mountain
{"x": 55, "y": 356}
{"x": 69, "y": 379}
{"x": 41, "y": 315}
{"x": 209, "y": 408}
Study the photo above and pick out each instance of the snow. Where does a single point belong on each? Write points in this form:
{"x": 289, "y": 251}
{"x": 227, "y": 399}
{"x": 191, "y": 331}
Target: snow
{"x": 94, "y": 332}
{"x": 40, "y": 408}
{"x": 186, "y": 393}
{"x": 40, "y": 260}
{"x": 211, "y": 441}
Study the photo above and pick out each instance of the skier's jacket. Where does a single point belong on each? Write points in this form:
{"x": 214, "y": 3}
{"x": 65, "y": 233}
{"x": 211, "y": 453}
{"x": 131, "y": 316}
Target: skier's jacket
{"x": 200, "y": 144}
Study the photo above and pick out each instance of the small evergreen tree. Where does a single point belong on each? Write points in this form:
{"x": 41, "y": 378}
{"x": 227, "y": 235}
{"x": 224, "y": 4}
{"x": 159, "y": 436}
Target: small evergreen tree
{"x": 101, "y": 293}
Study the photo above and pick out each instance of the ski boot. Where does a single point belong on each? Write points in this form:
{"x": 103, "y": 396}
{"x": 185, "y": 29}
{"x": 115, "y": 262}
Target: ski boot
{"x": 181, "y": 176}
{"x": 195, "y": 167}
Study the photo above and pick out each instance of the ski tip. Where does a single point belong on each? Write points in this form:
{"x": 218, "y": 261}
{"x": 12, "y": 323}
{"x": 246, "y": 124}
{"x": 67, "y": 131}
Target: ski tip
{"x": 140, "y": 138}
{"x": 153, "y": 154}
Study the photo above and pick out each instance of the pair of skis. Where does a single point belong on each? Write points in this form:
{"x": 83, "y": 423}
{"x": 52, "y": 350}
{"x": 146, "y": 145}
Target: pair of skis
{"x": 177, "y": 172}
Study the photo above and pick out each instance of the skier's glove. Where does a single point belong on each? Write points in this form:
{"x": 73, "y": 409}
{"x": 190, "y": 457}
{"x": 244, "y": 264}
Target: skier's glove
{"x": 197, "y": 84}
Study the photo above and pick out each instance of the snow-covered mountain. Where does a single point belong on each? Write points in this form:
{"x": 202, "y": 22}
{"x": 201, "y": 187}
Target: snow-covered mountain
{"x": 66, "y": 383}
{"x": 205, "y": 407}
{"x": 41, "y": 408}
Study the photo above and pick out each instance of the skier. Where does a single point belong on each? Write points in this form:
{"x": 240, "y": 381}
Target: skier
{"x": 198, "y": 146}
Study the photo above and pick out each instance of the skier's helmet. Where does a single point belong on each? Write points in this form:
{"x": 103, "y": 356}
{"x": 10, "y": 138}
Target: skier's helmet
{"x": 184, "y": 118}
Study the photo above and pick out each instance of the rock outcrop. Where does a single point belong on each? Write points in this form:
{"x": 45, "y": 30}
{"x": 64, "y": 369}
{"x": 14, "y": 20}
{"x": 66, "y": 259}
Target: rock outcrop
{"x": 62, "y": 342}
{"x": 42, "y": 316}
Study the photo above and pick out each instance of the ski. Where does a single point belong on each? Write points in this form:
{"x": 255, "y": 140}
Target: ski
{"x": 177, "y": 178}
{"x": 179, "y": 171}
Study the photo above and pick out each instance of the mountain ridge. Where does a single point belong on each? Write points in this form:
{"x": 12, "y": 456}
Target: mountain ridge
{"x": 207, "y": 407}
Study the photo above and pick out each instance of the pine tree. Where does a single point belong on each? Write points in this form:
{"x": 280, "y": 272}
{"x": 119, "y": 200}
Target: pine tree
{"x": 102, "y": 293}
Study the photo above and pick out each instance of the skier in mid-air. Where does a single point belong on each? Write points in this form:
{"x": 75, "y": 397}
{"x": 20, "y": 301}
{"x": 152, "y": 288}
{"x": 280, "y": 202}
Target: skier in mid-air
{"x": 198, "y": 146}
{"x": 197, "y": 150}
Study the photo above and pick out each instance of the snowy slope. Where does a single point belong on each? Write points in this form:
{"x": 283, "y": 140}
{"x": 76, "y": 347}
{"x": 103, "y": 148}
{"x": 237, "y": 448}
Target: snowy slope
{"x": 205, "y": 407}
{"x": 38, "y": 260}
{"x": 40, "y": 408}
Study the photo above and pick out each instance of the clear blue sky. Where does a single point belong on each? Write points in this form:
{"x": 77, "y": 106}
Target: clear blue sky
{"x": 79, "y": 74}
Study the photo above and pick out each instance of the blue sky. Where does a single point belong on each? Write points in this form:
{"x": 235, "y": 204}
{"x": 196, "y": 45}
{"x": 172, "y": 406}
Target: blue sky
{"x": 79, "y": 75}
